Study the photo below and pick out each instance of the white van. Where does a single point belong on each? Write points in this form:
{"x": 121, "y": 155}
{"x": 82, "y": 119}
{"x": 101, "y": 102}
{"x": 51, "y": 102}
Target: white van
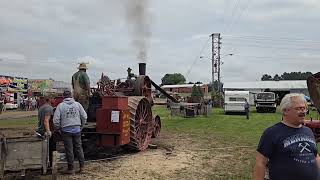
{"x": 234, "y": 101}
{"x": 11, "y": 102}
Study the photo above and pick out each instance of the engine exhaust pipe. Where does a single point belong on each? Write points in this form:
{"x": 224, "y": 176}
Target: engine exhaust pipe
{"x": 142, "y": 69}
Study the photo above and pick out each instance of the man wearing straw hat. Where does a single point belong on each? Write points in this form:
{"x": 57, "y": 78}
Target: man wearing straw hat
{"x": 81, "y": 86}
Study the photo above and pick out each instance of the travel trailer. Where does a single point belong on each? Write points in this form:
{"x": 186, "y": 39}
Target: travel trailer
{"x": 234, "y": 101}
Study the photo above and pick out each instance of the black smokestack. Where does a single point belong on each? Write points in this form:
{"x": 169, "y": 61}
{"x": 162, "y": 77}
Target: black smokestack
{"x": 142, "y": 69}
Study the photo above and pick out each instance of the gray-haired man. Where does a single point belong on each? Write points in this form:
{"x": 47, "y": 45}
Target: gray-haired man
{"x": 288, "y": 147}
{"x": 69, "y": 117}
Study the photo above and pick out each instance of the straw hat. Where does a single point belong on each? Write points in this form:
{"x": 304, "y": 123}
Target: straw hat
{"x": 82, "y": 66}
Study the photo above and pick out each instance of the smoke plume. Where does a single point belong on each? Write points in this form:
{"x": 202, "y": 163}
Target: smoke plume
{"x": 138, "y": 19}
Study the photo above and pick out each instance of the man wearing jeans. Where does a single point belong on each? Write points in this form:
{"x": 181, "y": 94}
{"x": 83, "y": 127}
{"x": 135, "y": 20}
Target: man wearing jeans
{"x": 246, "y": 108}
{"x": 1, "y": 103}
{"x": 70, "y": 117}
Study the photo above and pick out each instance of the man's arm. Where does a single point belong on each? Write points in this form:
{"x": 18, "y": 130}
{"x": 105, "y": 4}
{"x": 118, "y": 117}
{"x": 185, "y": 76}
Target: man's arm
{"x": 318, "y": 161}
{"x": 260, "y": 167}
{"x": 46, "y": 122}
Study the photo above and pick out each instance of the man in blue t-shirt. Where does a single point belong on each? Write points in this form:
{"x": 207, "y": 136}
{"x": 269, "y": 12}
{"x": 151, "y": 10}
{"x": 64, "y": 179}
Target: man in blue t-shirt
{"x": 288, "y": 147}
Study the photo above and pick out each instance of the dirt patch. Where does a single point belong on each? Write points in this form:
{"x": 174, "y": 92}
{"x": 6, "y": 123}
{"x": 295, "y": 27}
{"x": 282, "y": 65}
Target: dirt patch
{"x": 145, "y": 165}
{"x": 17, "y": 132}
{"x": 17, "y": 114}
{"x": 177, "y": 157}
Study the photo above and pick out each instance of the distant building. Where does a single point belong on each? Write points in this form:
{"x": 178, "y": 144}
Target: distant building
{"x": 43, "y": 86}
{"x": 184, "y": 88}
{"x": 60, "y": 86}
{"x": 38, "y": 87}
{"x": 280, "y": 88}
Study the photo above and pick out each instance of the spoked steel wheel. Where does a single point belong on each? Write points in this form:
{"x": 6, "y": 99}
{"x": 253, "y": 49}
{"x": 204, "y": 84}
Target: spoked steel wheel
{"x": 141, "y": 123}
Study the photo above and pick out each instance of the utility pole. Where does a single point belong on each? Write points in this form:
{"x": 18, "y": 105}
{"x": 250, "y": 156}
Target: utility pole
{"x": 216, "y": 45}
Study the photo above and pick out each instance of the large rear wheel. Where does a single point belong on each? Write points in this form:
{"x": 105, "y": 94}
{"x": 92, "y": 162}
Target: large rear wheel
{"x": 141, "y": 123}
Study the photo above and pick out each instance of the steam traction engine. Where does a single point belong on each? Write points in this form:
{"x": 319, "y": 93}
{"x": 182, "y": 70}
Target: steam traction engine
{"x": 313, "y": 83}
{"x": 120, "y": 113}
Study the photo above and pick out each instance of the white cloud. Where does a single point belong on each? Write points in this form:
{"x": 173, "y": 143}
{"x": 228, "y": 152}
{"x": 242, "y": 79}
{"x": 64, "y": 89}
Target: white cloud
{"x": 53, "y": 36}
{"x": 10, "y": 56}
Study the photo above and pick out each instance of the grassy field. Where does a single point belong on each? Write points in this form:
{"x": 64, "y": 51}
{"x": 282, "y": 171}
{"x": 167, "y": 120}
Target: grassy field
{"x": 18, "y": 123}
{"x": 224, "y": 145}
{"x": 232, "y": 134}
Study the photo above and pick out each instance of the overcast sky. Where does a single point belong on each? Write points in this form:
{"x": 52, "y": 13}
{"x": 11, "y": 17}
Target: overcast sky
{"x": 47, "y": 39}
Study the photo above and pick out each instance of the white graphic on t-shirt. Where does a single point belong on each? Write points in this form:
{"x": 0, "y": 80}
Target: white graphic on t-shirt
{"x": 296, "y": 138}
{"x": 301, "y": 148}
{"x": 304, "y": 147}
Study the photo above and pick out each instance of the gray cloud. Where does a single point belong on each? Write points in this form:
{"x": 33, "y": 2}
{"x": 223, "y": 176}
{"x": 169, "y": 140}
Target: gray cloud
{"x": 42, "y": 39}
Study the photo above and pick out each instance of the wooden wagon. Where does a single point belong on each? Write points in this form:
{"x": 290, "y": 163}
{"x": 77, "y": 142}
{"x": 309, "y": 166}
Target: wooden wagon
{"x": 23, "y": 153}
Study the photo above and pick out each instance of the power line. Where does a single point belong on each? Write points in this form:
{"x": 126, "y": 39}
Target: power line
{"x": 232, "y": 14}
{"x": 244, "y": 8}
{"x": 273, "y": 41}
{"x": 197, "y": 57}
{"x": 271, "y": 47}
{"x": 269, "y": 38}
{"x": 223, "y": 23}
{"x": 278, "y": 58}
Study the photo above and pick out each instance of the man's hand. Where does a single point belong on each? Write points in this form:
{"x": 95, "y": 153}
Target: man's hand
{"x": 48, "y": 134}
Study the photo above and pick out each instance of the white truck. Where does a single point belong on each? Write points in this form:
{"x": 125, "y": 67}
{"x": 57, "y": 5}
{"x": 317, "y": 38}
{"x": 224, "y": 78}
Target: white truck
{"x": 234, "y": 101}
{"x": 266, "y": 102}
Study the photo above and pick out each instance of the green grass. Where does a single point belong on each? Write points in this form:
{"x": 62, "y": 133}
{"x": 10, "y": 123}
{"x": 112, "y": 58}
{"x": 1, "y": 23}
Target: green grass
{"x": 18, "y": 123}
{"x": 220, "y": 130}
{"x": 215, "y": 131}
{"x": 232, "y": 127}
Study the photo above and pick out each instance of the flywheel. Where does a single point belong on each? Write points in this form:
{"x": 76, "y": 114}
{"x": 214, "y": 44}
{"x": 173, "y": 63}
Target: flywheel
{"x": 141, "y": 123}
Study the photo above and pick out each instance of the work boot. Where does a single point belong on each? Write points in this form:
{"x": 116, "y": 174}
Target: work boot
{"x": 82, "y": 170}
{"x": 70, "y": 172}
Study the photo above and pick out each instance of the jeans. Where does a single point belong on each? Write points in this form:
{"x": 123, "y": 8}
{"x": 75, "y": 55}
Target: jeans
{"x": 52, "y": 147}
{"x": 72, "y": 143}
{"x": 1, "y": 107}
{"x": 247, "y": 113}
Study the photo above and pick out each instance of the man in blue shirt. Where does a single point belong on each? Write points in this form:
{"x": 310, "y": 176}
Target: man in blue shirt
{"x": 288, "y": 147}
{"x": 70, "y": 117}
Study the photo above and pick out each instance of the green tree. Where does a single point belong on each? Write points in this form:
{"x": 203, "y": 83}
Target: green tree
{"x": 200, "y": 91}
{"x": 216, "y": 97}
{"x": 196, "y": 94}
{"x": 287, "y": 76}
{"x": 266, "y": 77}
{"x": 277, "y": 77}
{"x": 172, "y": 79}
{"x": 295, "y": 75}
{"x": 215, "y": 86}
{"x": 195, "y": 91}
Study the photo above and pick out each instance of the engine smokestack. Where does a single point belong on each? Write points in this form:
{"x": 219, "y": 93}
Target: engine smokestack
{"x": 142, "y": 69}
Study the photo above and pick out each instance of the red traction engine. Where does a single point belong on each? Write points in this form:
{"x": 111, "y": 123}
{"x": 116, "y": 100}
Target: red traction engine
{"x": 120, "y": 114}
{"x": 313, "y": 83}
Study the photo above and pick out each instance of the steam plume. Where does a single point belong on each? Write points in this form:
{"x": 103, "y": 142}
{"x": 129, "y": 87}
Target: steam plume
{"x": 138, "y": 19}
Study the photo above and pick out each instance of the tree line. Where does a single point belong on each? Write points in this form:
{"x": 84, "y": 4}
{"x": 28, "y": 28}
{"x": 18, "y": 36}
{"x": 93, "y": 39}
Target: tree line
{"x": 286, "y": 76}
{"x": 178, "y": 78}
